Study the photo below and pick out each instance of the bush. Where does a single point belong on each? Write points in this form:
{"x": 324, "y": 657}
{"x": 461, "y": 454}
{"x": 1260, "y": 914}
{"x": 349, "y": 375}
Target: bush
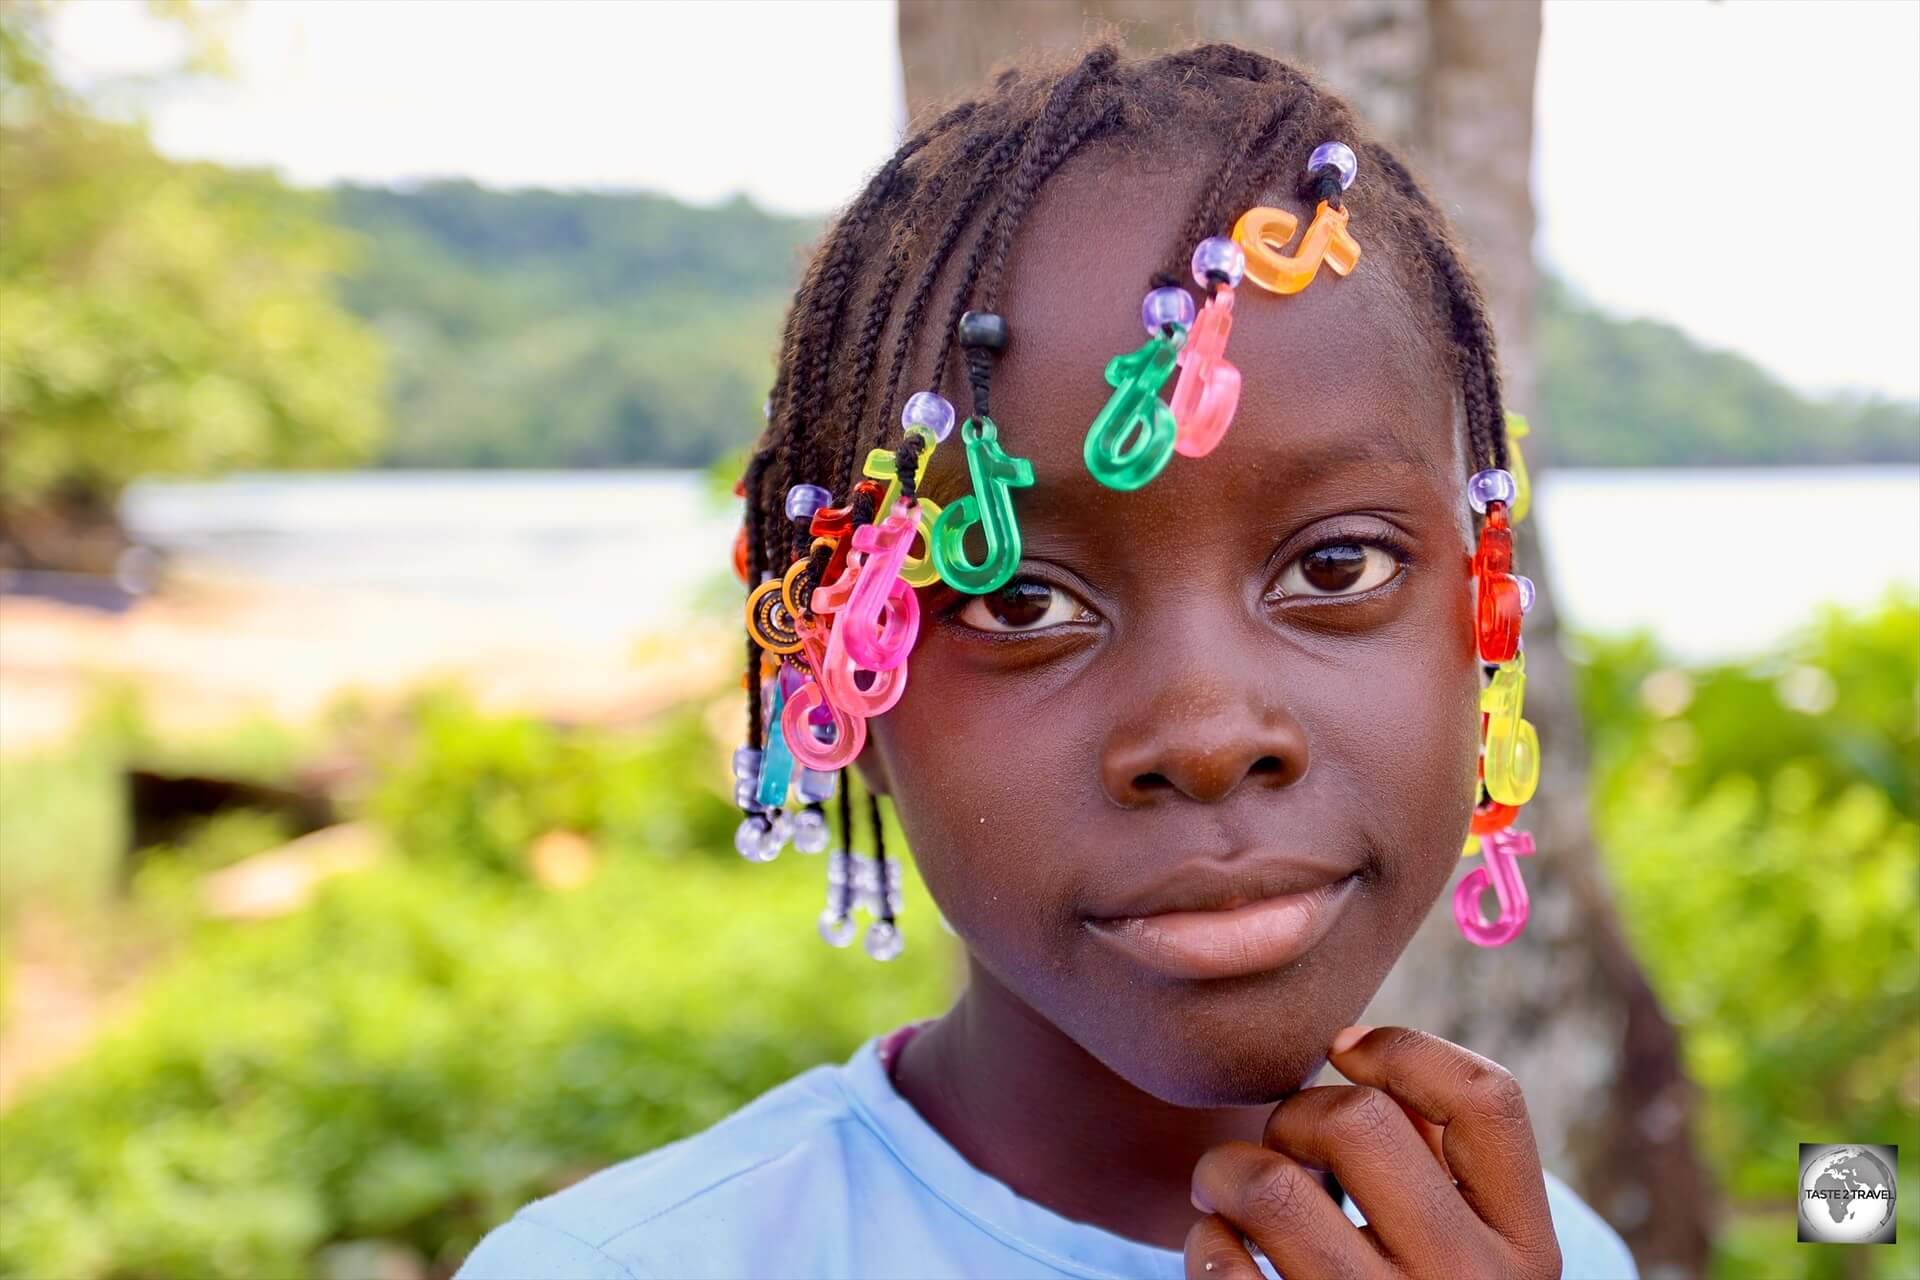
{"x": 1760, "y": 822}
{"x": 423, "y": 1050}
{"x": 482, "y": 788}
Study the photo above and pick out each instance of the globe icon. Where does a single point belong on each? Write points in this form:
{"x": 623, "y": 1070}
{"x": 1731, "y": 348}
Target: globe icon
{"x": 1846, "y": 1195}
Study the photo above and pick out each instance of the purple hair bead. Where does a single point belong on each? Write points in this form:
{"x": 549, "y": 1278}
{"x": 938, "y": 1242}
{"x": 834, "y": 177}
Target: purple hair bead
{"x": 746, "y": 763}
{"x": 1162, "y": 307}
{"x": 928, "y": 409}
{"x": 1217, "y": 255}
{"x": 1340, "y": 156}
{"x": 1526, "y": 592}
{"x": 1490, "y": 486}
{"x": 815, "y": 786}
{"x": 805, "y": 499}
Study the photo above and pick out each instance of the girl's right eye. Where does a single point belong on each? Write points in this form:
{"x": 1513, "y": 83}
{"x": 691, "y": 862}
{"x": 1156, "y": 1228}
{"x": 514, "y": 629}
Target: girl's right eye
{"x": 1025, "y": 604}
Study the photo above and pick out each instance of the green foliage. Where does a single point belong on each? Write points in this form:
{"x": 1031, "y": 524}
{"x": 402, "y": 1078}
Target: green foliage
{"x": 63, "y": 819}
{"x": 480, "y": 789}
{"x": 160, "y": 317}
{"x": 1761, "y": 824}
{"x": 422, "y": 1051}
{"x": 1631, "y": 393}
{"x": 63, "y": 822}
{"x": 543, "y": 329}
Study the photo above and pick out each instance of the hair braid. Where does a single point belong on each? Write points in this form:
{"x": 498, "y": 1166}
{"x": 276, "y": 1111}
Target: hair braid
{"x": 1466, "y": 311}
{"x": 1052, "y": 141}
{"x": 880, "y": 309}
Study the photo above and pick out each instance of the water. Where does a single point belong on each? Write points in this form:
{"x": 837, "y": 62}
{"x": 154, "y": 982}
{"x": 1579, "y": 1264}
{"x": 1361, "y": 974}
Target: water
{"x": 628, "y": 550}
{"x": 1714, "y": 562}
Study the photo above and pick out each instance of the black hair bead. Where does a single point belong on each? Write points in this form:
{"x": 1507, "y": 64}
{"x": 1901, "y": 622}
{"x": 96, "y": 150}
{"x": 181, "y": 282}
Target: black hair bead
{"x": 984, "y": 329}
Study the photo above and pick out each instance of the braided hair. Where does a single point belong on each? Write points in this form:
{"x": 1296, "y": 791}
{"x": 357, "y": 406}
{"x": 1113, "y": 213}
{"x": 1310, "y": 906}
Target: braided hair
{"x": 976, "y": 170}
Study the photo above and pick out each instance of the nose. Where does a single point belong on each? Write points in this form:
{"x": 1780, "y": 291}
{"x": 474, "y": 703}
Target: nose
{"x": 1201, "y": 739}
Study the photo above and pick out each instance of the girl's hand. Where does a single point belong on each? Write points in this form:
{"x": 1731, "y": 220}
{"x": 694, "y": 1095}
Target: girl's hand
{"x": 1433, "y": 1143}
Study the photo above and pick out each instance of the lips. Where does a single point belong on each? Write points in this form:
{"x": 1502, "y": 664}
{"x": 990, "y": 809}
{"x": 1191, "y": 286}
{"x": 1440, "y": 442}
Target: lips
{"x": 1223, "y": 920}
{"x": 1215, "y": 883}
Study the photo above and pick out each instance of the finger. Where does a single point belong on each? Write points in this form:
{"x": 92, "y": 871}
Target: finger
{"x": 1214, "y": 1252}
{"x": 1366, "y": 1139}
{"x": 1487, "y": 1139}
{"x": 1430, "y": 1133}
{"x": 1283, "y": 1208}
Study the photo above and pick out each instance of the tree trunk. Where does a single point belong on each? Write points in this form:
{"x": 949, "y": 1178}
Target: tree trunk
{"x": 1566, "y": 1008}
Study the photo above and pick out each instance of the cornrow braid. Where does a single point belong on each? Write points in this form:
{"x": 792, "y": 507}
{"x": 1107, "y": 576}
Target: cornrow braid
{"x": 1466, "y": 310}
{"x": 1256, "y": 135}
{"x": 755, "y": 467}
{"x": 880, "y": 309}
{"x": 1002, "y": 155}
{"x": 814, "y": 321}
{"x": 1039, "y": 156}
{"x": 1052, "y": 141}
{"x": 881, "y": 874}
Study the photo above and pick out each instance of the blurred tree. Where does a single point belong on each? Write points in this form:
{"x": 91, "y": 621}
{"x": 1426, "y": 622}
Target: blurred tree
{"x": 570, "y": 329}
{"x": 1567, "y": 1008}
{"x": 159, "y": 317}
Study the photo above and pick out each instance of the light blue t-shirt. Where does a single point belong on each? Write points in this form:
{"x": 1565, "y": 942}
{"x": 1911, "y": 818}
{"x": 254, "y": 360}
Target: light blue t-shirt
{"x": 834, "y": 1174}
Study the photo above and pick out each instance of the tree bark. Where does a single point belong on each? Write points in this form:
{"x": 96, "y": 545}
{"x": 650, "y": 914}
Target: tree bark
{"x": 1566, "y": 1007}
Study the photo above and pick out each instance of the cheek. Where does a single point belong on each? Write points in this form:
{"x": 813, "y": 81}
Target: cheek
{"x": 981, "y": 790}
{"x": 1419, "y": 743}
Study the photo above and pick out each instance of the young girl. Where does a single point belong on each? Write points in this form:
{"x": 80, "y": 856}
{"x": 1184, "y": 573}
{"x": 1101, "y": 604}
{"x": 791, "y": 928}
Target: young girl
{"x": 1172, "y": 666}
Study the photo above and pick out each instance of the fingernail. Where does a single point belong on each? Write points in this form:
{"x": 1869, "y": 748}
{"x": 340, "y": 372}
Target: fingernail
{"x": 1349, "y": 1037}
{"x": 1199, "y": 1201}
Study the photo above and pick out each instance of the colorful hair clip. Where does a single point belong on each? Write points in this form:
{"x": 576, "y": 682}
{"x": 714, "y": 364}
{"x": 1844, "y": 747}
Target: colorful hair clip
{"x": 1132, "y": 436}
{"x": 1500, "y": 872}
{"x": 836, "y": 523}
{"x": 1497, "y": 592}
{"x": 989, "y": 507}
{"x": 769, "y": 621}
{"x": 880, "y": 617}
{"x": 928, "y": 413}
{"x": 776, "y": 764}
{"x": 1208, "y": 392}
{"x": 1512, "y": 745}
{"x": 1265, "y": 232}
{"x": 835, "y": 743}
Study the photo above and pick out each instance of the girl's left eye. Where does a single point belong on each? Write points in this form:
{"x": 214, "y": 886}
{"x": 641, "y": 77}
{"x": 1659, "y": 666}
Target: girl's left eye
{"x": 1339, "y": 569}
{"x": 1025, "y": 604}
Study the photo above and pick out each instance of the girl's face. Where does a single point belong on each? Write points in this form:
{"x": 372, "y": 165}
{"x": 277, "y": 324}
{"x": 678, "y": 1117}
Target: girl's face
{"x": 1252, "y": 678}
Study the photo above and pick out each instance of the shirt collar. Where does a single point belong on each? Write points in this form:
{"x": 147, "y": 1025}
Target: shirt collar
{"x": 1076, "y": 1248}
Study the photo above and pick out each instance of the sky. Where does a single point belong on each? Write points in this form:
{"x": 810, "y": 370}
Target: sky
{"x": 1748, "y": 170}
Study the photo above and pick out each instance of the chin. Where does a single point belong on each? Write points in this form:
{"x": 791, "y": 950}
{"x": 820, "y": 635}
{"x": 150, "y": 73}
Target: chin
{"x": 1237, "y": 1043}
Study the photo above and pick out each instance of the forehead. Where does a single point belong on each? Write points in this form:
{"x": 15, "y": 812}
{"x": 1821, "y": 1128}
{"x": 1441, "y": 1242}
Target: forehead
{"x": 1344, "y": 367}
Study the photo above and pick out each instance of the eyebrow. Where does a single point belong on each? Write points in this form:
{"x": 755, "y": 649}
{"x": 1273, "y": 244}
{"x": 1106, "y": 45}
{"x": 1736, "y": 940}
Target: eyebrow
{"x": 1324, "y": 459}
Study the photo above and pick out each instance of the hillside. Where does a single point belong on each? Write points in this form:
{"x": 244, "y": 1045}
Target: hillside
{"x": 554, "y": 329}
